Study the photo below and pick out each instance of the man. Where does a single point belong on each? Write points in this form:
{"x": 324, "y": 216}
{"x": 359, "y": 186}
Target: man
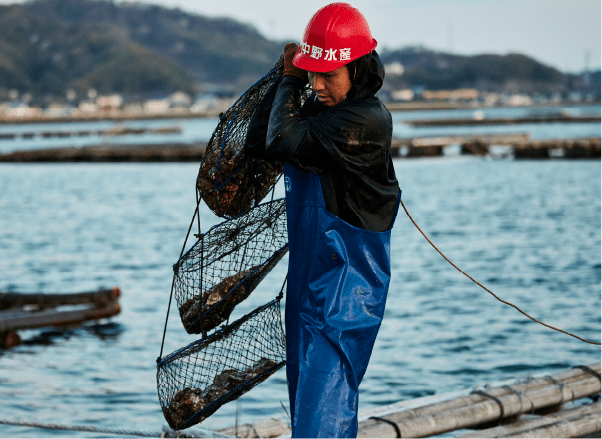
{"x": 341, "y": 200}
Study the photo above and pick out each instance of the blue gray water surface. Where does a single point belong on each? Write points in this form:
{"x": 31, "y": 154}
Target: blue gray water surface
{"x": 528, "y": 230}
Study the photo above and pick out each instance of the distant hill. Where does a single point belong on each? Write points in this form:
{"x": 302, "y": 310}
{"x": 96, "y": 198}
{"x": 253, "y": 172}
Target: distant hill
{"x": 43, "y": 54}
{"x": 443, "y": 71}
{"x": 50, "y": 46}
{"x": 211, "y": 50}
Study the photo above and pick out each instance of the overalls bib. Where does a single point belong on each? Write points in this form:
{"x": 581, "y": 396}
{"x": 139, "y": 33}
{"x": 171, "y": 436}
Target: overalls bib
{"x": 338, "y": 278}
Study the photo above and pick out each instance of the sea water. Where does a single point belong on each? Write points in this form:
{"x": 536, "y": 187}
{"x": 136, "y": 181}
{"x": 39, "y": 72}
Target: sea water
{"x": 527, "y": 230}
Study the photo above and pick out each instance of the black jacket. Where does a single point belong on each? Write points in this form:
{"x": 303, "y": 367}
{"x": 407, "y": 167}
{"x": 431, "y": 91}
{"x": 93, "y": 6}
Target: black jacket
{"x": 347, "y": 145}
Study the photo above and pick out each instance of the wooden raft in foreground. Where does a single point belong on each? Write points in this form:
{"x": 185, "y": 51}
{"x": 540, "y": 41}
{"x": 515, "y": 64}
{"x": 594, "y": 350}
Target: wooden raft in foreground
{"x": 29, "y": 311}
{"x": 543, "y": 407}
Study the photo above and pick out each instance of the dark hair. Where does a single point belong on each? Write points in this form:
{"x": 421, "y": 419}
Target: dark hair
{"x": 352, "y": 69}
{"x": 366, "y": 74}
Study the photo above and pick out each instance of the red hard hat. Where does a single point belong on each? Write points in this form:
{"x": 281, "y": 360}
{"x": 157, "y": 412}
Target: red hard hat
{"x": 336, "y": 35}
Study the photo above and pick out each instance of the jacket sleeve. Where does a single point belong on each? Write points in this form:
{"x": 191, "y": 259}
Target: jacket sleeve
{"x": 352, "y": 135}
{"x": 258, "y": 126}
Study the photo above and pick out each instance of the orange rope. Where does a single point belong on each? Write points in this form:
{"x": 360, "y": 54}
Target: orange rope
{"x": 503, "y": 301}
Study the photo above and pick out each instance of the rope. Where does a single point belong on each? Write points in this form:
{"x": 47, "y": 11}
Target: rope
{"x": 116, "y": 431}
{"x": 588, "y": 370}
{"x": 560, "y": 385}
{"x": 196, "y": 212}
{"x": 490, "y": 292}
{"x": 519, "y": 396}
{"x": 495, "y": 399}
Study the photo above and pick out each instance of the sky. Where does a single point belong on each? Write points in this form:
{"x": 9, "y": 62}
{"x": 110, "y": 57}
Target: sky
{"x": 564, "y": 34}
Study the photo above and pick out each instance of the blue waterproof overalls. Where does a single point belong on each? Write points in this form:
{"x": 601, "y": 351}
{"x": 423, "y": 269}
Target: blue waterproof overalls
{"x": 338, "y": 278}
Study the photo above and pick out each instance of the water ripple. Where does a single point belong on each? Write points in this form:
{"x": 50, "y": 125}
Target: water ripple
{"x": 529, "y": 231}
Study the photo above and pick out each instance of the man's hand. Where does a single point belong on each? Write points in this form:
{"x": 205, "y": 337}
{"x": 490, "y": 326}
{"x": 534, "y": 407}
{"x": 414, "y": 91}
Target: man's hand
{"x": 289, "y": 69}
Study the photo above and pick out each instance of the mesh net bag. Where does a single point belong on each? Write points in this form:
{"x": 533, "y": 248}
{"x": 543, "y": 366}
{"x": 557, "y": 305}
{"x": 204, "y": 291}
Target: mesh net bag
{"x": 195, "y": 381}
{"x": 228, "y": 182}
{"x": 226, "y": 264}
{"x": 221, "y": 270}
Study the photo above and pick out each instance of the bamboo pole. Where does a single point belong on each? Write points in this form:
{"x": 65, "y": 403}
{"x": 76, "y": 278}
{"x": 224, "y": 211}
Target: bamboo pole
{"x": 473, "y": 410}
{"x": 486, "y": 411}
{"x": 575, "y": 422}
{"x": 568, "y": 375}
{"x": 377, "y": 428}
{"x": 271, "y": 427}
{"x": 19, "y": 319}
{"x": 17, "y": 300}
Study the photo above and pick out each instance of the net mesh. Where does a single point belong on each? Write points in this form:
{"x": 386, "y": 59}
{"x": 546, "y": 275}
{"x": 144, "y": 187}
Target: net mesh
{"x": 226, "y": 264}
{"x": 221, "y": 270}
{"x": 195, "y": 381}
{"x": 229, "y": 182}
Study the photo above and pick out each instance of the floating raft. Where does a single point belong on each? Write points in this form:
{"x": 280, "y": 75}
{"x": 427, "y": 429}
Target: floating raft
{"x": 117, "y": 131}
{"x": 520, "y": 146}
{"x": 433, "y": 146}
{"x": 568, "y": 149}
{"x": 110, "y": 153}
{"x": 30, "y": 311}
{"x": 554, "y": 118}
{"x": 113, "y": 116}
{"x": 563, "y": 405}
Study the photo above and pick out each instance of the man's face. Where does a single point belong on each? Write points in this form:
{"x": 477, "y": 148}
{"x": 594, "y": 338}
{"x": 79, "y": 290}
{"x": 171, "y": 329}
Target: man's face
{"x": 331, "y": 87}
